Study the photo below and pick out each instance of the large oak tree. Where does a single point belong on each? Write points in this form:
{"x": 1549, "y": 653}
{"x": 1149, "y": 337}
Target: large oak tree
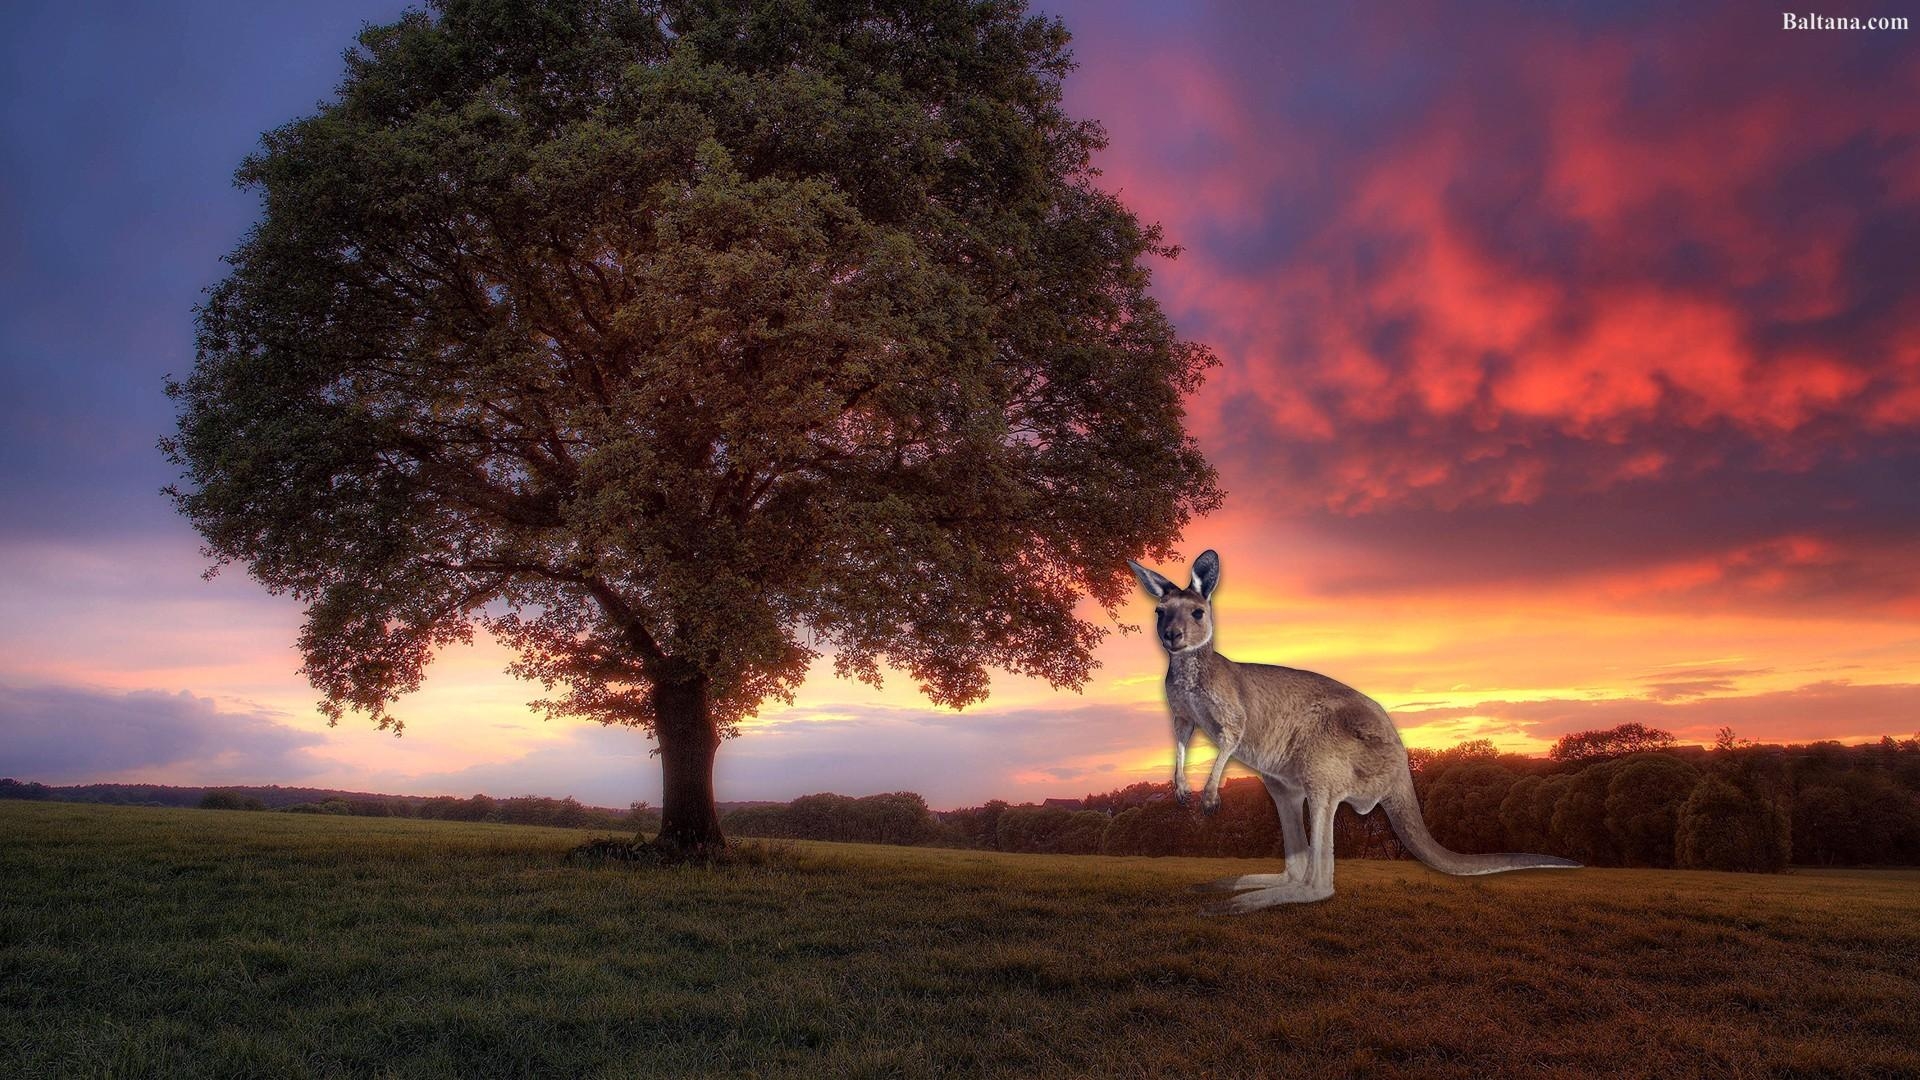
{"x": 677, "y": 344}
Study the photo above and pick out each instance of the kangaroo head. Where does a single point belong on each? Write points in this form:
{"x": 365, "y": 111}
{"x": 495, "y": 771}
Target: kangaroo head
{"x": 1184, "y": 618}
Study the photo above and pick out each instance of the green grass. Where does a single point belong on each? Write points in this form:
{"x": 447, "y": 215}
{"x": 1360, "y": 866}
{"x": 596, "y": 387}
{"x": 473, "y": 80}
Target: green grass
{"x": 141, "y": 942}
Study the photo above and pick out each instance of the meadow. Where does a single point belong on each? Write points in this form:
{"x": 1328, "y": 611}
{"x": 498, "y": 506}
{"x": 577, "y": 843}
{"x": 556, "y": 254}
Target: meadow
{"x": 160, "y": 942}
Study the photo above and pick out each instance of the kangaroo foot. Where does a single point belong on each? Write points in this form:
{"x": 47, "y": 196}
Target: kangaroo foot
{"x": 1243, "y": 881}
{"x": 1272, "y": 896}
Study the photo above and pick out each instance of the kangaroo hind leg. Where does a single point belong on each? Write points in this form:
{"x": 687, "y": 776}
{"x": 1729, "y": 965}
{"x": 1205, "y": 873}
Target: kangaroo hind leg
{"x": 1289, "y": 801}
{"x": 1318, "y": 881}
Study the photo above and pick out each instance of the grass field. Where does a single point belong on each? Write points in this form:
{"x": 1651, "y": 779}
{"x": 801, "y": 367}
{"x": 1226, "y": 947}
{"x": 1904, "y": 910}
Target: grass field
{"x": 141, "y": 942}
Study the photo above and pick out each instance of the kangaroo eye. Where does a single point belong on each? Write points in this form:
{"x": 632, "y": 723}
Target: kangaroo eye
{"x": 1199, "y": 613}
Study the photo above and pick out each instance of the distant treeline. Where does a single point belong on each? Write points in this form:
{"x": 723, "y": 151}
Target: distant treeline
{"x": 1626, "y": 796}
{"x": 1623, "y": 797}
{"x": 519, "y": 810}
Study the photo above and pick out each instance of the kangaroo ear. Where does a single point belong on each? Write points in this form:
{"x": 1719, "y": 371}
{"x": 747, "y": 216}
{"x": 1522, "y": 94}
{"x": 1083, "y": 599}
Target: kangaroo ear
{"x": 1155, "y": 585}
{"x": 1206, "y": 574}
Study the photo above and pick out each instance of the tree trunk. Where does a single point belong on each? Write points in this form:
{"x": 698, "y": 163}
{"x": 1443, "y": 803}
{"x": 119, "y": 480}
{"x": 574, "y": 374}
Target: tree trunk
{"x": 689, "y": 821}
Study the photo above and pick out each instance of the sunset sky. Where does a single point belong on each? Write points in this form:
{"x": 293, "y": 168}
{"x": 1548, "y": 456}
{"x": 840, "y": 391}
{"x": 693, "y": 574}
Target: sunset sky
{"x": 1570, "y": 376}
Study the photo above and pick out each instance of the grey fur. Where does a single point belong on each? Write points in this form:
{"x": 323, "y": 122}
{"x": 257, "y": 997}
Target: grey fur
{"x": 1155, "y": 585}
{"x": 1206, "y": 575}
{"x": 1315, "y": 742}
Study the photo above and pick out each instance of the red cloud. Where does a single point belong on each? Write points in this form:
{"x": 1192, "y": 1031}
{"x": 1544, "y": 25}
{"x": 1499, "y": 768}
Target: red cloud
{"x": 1540, "y": 261}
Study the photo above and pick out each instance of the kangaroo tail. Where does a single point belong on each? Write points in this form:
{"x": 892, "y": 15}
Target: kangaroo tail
{"x": 1403, "y": 810}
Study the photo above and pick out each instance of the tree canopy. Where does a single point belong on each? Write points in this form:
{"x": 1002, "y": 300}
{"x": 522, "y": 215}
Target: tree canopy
{"x": 1632, "y": 738}
{"x": 679, "y": 343}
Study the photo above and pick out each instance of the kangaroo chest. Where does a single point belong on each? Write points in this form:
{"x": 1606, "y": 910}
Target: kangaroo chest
{"x": 1193, "y": 700}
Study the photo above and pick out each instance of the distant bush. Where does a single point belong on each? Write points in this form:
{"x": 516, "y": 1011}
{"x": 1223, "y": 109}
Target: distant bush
{"x": 1579, "y": 823}
{"x": 230, "y": 800}
{"x": 523, "y": 810}
{"x": 1427, "y": 764}
{"x": 1613, "y": 742}
{"x": 1030, "y": 828}
{"x": 899, "y": 817}
{"x": 1136, "y": 794}
{"x": 325, "y": 806}
{"x": 1155, "y": 828}
{"x": 1723, "y": 827}
{"x": 1858, "y": 819}
{"x": 1643, "y": 807}
{"x": 564, "y": 813}
{"x": 975, "y": 826}
{"x": 1052, "y": 830}
{"x": 1083, "y": 832}
{"x": 14, "y": 789}
{"x": 1462, "y": 806}
{"x": 769, "y": 821}
{"x": 1245, "y": 826}
{"x": 642, "y": 818}
{"x": 1527, "y": 812}
{"x": 1122, "y": 832}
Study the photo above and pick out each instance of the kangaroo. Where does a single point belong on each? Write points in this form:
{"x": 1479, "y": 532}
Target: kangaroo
{"x": 1315, "y": 743}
